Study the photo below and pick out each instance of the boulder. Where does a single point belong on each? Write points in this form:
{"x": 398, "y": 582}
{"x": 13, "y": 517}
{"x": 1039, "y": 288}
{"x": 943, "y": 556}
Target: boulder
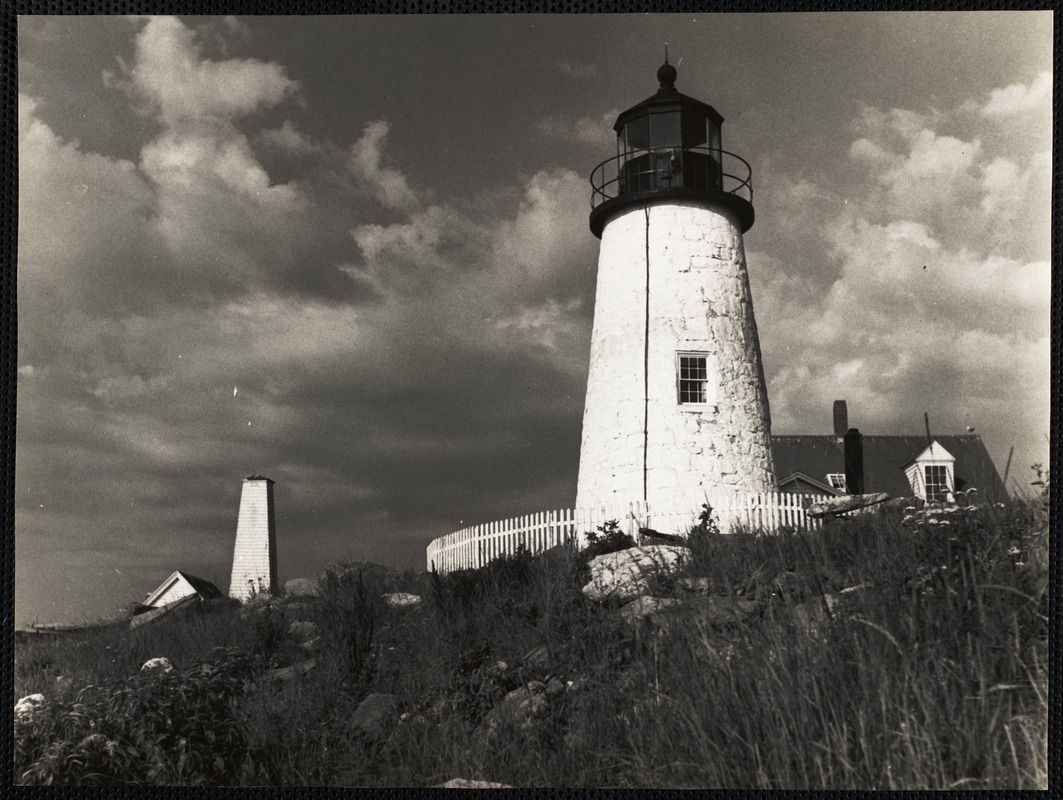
{"x": 302, "y": 587}
{"x": 627, "y": 574}
{"x": 162, "y": 665}
{"x": 643, "y": 607}
{"x": 374, "y": 712}
{"x": 845, "y": 503}
{"x": 692, "y": 585}
{"x": 520, "y": 708}
{"x": 708, "y": 610}
{"x": 401, "y": 600}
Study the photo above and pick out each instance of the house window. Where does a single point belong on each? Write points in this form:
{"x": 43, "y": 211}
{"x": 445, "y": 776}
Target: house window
{"x": 693, "y": 378}
{"x": 937, "y": 482}
{"x": 836, "y": 480}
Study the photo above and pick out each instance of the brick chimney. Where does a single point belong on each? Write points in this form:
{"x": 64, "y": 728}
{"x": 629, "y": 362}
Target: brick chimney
{"x": 841, "y": 418}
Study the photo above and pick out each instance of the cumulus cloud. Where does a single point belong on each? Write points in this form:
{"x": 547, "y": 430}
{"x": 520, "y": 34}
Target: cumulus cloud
{"x": 173, "y": 76}
{"x": 289, "y": 140}
{"x": 366, "y": 159}
{"x": 401, "y": 362}
{"x": 935, "y": 299}
{"x": 1019, "y": 98}
{"x": 586, "y": 130}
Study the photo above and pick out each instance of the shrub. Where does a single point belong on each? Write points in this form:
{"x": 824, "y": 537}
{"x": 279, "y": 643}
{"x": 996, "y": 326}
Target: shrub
{"x": 607, "y": 538}
{"x": 158, "y": 727}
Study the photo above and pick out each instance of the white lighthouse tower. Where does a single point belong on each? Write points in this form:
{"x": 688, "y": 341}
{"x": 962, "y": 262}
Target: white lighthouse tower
{"x": 255, "y": 553}
{"x": 676, "y": 407}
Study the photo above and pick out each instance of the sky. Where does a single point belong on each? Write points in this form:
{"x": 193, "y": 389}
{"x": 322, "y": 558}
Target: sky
{"x": 352, "y": 254}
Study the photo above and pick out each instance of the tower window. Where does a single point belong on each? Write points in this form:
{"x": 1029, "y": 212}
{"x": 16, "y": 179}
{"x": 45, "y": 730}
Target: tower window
{"x": 937, "y": 482}
{"x": 693, "y": 378}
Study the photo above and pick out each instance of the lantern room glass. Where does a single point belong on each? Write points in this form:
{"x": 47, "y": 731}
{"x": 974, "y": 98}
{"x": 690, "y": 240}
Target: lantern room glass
{"x": 668, "y": 150}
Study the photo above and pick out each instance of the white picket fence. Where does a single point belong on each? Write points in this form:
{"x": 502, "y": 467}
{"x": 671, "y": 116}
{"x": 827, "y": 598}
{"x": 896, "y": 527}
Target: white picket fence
{"x": 476, "y": 546}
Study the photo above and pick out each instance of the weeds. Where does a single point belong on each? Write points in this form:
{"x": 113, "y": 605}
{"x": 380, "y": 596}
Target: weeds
{"x": 879, "y": 655}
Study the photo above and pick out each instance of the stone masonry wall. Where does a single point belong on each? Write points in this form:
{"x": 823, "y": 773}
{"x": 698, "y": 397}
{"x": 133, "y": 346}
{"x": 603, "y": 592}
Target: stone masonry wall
{"x": 255, "y": 553}
{"x": 699, "y": 300}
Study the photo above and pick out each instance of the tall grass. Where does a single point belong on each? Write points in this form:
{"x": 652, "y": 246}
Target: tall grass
{"x": 929, "y": 673}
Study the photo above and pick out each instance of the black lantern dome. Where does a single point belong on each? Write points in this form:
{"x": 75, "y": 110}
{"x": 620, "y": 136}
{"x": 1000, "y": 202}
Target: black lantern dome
{"x": 669, "y": 145}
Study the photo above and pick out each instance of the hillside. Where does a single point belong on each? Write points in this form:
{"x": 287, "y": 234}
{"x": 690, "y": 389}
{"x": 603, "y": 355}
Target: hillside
{"x": 878, "y": 652}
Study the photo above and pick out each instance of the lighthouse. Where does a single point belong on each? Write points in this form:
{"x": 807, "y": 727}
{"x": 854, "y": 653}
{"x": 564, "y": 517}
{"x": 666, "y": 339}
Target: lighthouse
{"x": 255, "y": 553}
{"x": 676, "y": 408}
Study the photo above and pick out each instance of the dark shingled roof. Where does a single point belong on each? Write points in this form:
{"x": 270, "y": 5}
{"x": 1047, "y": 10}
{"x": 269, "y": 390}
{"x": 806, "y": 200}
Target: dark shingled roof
{"x": 885, "y": 458}
{"x": 206, "y": 589}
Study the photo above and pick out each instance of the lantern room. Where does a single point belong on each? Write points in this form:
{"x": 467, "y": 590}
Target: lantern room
{"x": 671, "y": 145}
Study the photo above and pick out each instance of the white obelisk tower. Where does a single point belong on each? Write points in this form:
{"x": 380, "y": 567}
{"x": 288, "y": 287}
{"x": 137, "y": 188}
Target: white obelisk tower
{"x": 676, "y": 401}
{"x": 255, "y": 553}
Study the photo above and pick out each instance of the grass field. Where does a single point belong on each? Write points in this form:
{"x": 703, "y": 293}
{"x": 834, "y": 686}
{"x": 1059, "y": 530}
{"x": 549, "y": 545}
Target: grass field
{"x": 931, "y": 673}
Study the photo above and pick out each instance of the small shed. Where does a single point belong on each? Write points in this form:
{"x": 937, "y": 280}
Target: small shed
{"x": 179, "y": 586}
{"x": 179, "y": 591}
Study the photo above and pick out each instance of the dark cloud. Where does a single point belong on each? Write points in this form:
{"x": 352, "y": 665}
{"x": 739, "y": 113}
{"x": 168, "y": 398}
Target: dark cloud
{"x": 376, "y": 286}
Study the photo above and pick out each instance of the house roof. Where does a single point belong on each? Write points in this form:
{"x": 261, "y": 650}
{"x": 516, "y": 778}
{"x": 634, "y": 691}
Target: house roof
{"x": 206, "y": 589}
{"x": 799, "y": 477}
{"x": 885, "y": 458}
{"x": 203, "y": 588}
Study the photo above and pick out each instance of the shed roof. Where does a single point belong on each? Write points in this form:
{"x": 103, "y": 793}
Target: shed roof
{"x": 203, "y": 588}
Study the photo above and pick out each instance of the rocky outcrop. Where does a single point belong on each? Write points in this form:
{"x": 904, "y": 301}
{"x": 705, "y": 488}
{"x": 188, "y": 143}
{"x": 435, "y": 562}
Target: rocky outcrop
{"x": 373, "y": 713}
{"x": 631, "y": 573}
{"x": 302, "y": 587}
{"x": 644, "y": 607}
{"x": 402, "y": 600}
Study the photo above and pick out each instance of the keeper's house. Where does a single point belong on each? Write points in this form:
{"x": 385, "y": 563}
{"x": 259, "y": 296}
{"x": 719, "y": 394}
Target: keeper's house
{"x": 901, "y": 466}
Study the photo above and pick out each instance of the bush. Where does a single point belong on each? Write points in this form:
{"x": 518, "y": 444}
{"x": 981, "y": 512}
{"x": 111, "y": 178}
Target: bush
{"x": 159, "y": 727}
{"x": 607, "y": 538}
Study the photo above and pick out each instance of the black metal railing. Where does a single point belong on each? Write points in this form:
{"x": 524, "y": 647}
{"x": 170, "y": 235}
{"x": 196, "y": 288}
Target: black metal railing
{"x": 663, "y": 168}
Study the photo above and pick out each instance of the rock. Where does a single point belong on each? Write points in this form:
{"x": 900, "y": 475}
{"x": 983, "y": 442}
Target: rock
{"x": 378, "y": 578}
{"x": 554, "y": 687}
{"x": 465, "y": 783}
{"x": 27, "y": 707}
{"x": 694, "y": 585}
{"x": 162, "y": 665}
{"x": 638, "y": 610}
{"x": 845, "y": 503}
{"x": 374, "y": 712}
{"x": 708, "y": 610}
{"x": 789, "y": 584}
{"x": 539, "y": 658}
{"x": 303, "y": 587}
{"x": 521, "y": 708}
{"x": 627, "y": 574}
{"x": 302, "y": 631}
{"x": 287, "y": 673}
{"x": 402, "y": 600}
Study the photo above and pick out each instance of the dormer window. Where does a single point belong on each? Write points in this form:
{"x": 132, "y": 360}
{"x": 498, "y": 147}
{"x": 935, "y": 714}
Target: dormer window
{"x": 936, "y": 481}
{"x": 932, "y": 474}
{"x": 836, "y": 481}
